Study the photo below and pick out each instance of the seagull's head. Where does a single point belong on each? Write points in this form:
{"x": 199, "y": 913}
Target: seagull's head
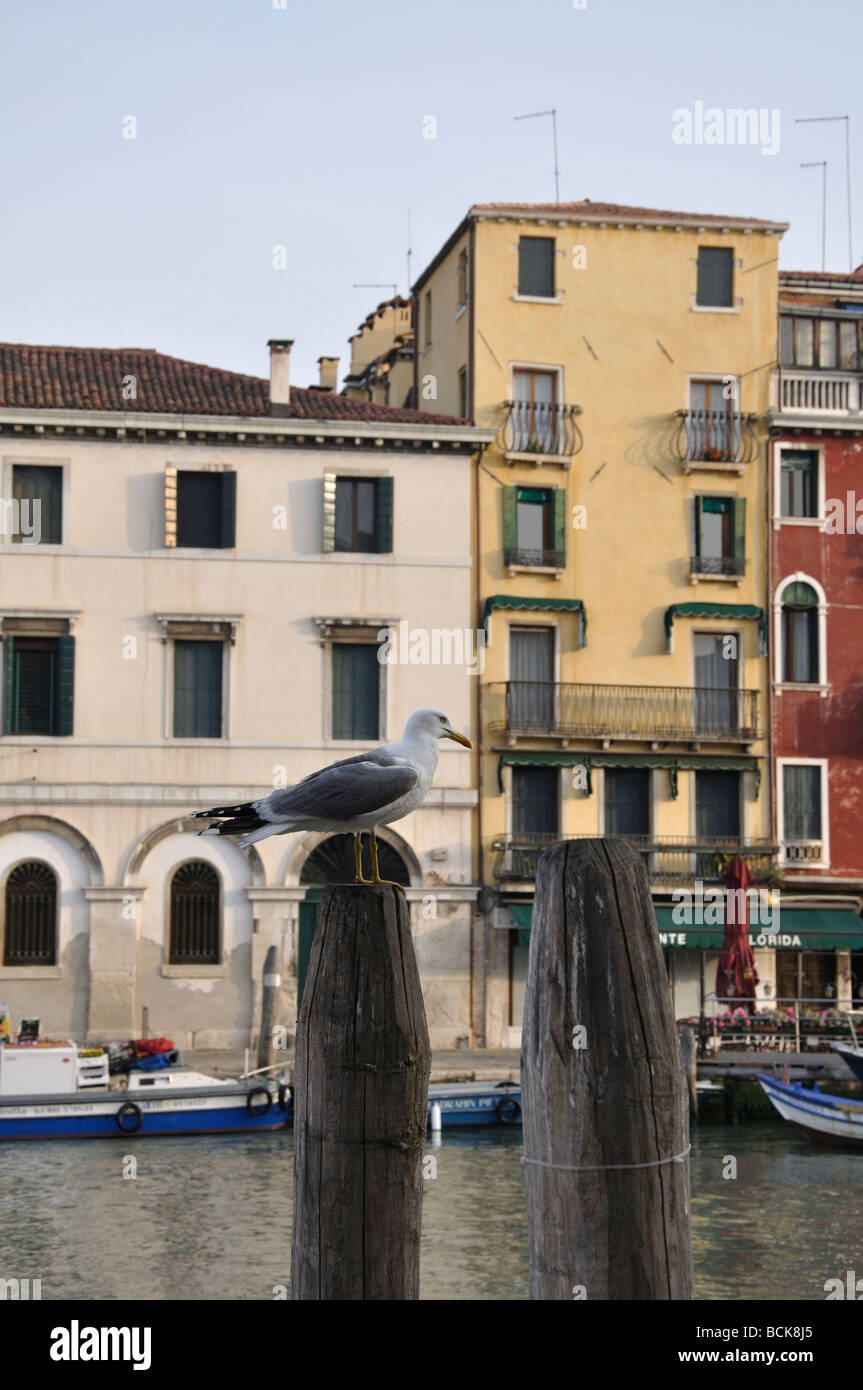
{"x": 433, "y": 723}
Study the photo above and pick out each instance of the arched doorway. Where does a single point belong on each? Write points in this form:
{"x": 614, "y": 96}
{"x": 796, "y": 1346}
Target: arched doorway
{"x": 333, "y": 862}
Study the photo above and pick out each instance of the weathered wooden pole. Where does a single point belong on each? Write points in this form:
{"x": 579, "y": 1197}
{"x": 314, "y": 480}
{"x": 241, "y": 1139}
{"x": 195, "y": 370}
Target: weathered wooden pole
{"x": 605, "y": 1124}
{"x": 269, "y": 995}
{"x": 360, "y": 1098}
{"x": 689, "y": 1058}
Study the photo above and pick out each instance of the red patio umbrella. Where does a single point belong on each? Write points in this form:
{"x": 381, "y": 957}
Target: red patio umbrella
{"x": 736, "y": 976}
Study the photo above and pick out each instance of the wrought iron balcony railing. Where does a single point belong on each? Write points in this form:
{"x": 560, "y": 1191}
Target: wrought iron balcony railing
{"x": 534, "y": 559}
{"x": 668, "y": 859}
{"x": 535, "y": 428}
{"x": 536, "y": 709}
{"x": 717, "y": 564}
{"x": 714, "y": 437}
{"x": 820, "y": 392}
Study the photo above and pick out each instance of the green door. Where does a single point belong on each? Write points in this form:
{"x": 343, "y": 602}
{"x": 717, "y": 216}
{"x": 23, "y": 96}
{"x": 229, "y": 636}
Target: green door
{"x": 308, "y": 922}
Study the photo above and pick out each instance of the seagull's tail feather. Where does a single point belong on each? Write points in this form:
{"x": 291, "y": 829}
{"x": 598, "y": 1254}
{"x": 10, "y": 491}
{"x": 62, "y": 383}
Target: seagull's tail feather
{"x": 236, "y": 820}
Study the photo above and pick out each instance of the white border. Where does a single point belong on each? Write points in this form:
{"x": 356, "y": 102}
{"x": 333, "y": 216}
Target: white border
{"x": 779, "y": 649}
{"x": 787, "y": 446}
{"x": 824, "y": 861}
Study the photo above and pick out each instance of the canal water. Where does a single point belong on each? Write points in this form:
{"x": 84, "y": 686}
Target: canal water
{"x": 210, "y": 1217}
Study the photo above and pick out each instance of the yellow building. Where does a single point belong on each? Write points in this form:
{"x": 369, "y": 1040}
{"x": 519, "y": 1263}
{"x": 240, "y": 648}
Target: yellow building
{"x": 624, "y": 357}
{"x": 382, "y": 356}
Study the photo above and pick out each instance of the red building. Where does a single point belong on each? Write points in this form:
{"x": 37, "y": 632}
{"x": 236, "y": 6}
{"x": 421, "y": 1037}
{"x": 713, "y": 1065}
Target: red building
{"x": 816, "y": 650}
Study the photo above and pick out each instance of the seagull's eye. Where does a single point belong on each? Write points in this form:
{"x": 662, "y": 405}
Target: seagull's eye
{"x": 443, "y": 719}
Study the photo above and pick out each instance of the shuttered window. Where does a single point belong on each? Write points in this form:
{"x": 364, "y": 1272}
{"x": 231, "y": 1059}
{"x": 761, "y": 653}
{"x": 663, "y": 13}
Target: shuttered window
{"x": 194, "y": 934}
{"x": 358, "y": 514}
{"x": 30, "y": 918}
{"x": 536, "y": 266}
{"x": 627, "y": 801}
{"x": 715, "y": 274}
{"x": 37, "y": 492}
{"x": 40, "y": 678}
{"x": 200, "y": 509}
{"x": 197, "y": 689}
{"x": 356, "y": 687}
{"x": 717, "y": 805}
{"x": 535, "y": 801}
{"x": 800, "y": 658}
{"x": 801, "y": 802}
{"x": 799, "y": 482}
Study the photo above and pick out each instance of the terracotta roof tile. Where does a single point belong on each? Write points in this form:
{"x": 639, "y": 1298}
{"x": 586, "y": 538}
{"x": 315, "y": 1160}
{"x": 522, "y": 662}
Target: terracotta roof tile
{"x": 620, "y": 210}
{"x": 71, "y": 378}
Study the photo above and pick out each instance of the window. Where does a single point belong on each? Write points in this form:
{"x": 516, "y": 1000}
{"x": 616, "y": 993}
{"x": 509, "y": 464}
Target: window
{"x": 717, "y": 805}
{"x": 801, "y": 805}
{"x": 358, "y": 514}
{"x": 535, "y": 801}
{"x": 40, "y": 678}
{"x": 627, "y": 801}
{"x": 427, "y": 318}
{"x": 38, "y": 516}
{"x": 535, "y": 417}
{"x": 194, "y": 932}
{"x": 825, "y": 344}
{"x": 716, "y": 685}
{"x": 720, "y": 536}
{"x": 712, "y": 434}
{"x": 530, "y": 695}
{"x": 197, "y": 689}
{"x": 536, "y": 266}
{"x": 30, "y": 936}
{"x": 356, "y": 690}
{"x": 800, "y": 654}
{"x": 462, "y": 393}
{"x": 805, "y": 975}
{"x": 534, "y": 527}
{"x": 799, "y": 482}
{"x": 462, "y": 278}
{"x": 715, "y": 270}
{"x": 200, "y": 509}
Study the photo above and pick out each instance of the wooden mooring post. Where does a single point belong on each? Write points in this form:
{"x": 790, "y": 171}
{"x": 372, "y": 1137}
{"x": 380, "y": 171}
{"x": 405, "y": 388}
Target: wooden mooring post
{"x": 606, "y": 1134}
{"x": 269, "y": 994}
{"x": 360, "y": 1099}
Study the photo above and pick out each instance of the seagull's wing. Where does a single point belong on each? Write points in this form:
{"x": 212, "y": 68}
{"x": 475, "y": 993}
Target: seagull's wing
{"x": 355, "y": 786}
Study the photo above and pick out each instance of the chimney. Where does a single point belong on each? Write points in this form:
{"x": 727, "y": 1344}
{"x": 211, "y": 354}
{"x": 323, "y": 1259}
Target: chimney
{"x": 328, "y": 373}
{"x": 280, "y": 375}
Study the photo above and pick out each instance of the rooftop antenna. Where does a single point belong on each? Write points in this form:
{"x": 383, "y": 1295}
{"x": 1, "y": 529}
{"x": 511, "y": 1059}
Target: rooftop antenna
{"x": 808, "y": 120}
{"x": 376, "y": 285}
{"x": 410, "y": 253}
{"x": 822, "y": 165}
{"x": 553, "y": 113}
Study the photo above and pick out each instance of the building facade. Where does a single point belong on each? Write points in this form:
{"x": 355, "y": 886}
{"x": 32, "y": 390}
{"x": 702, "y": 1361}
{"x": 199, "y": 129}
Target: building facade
{"x": 816, "y": 607}
{"x": 193, "y": 614}
{"x": 623, "y": 358}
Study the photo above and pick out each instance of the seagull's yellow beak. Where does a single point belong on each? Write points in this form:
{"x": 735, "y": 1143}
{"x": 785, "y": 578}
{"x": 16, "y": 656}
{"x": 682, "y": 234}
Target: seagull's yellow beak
{"x": 459, "y": 738}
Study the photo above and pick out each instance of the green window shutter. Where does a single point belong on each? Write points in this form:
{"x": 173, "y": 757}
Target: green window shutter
{"x": 558, "y": 519}
{"x": 739, "y": 528}
{"x": 9, "y": 691}
{"x": 356, "y": 686}
{"x": 229, "y": 510}
{"x": 197, "y": 689}
{"x": 536, "y": 266}
{"x": 699, "y": 513}
{"x": 65, "y": 684}
{"x": 329, "y": 537}
{"x": 510, "y": 527}
{"x": 385, "y": 515}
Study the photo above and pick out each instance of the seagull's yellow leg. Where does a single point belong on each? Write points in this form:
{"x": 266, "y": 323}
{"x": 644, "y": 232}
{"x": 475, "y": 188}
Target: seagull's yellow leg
{"x": 376, "y": 873}
{"x": 358, "y": 857}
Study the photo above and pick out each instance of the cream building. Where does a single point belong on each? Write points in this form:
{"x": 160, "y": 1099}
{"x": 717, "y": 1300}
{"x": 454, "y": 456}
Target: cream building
{"x": 196, "y": 620}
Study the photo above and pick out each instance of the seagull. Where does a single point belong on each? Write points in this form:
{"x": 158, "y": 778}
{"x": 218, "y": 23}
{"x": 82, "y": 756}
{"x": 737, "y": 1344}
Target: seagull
{"x": 352, "y": 795}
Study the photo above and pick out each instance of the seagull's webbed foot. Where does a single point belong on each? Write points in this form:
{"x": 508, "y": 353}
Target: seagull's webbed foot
{"x": 358, "y": 859}
{"x": 376, "y": 873}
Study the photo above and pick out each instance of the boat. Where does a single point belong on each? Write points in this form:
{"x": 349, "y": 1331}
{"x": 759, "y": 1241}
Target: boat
{"x": 475, "y": 1103}
{"x": 825, "y": 1119}
{"x": 59, "y": 1091}
{"x": 851, "y": 1056}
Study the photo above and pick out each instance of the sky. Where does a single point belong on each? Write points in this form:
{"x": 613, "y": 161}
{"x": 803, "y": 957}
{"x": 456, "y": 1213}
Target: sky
{"x": 304, "y": 124}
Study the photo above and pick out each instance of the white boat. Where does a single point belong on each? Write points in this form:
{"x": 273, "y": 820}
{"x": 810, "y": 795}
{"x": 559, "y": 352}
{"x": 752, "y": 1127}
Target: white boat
{"x": 825, "y": 1119}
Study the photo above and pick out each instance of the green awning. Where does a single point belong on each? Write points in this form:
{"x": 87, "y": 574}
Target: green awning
{"x": 715, "y": 610}
{"x": 549, "y": 605}
{"x": 520, "y": 913}
{"x": 797, "y": 929}
{"x": 672, "y": 761}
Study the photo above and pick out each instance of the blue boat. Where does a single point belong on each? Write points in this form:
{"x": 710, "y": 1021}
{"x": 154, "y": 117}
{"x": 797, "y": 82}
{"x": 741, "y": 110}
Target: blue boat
{"x": 823, "y": 1118}
{"x": 173, "y": 1100}
{"x": 475, "y": 1103}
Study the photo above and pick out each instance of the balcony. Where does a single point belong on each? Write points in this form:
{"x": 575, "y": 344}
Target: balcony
{"x": 536, "y": 709}
{"x": 537, "y": 432}
{"x": 516, "y": 559}
{"x": 714, "y": 440}
{"x": 716, "y": 567}
{"x": 799, "y": 853}
{"x": 818, "y": 392}
{"x": 669, "y": 860}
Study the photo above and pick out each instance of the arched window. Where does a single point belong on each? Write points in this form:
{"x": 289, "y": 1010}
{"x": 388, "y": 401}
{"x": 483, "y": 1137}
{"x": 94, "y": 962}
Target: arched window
{"x": 195, "y": 902}
{"x": 333, "y": 862}
{"x": 800, "y": 655}
{"x": 30, "y": 936}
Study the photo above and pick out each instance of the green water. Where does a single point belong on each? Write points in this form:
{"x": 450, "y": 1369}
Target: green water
{"x": 210, "y": 1217}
